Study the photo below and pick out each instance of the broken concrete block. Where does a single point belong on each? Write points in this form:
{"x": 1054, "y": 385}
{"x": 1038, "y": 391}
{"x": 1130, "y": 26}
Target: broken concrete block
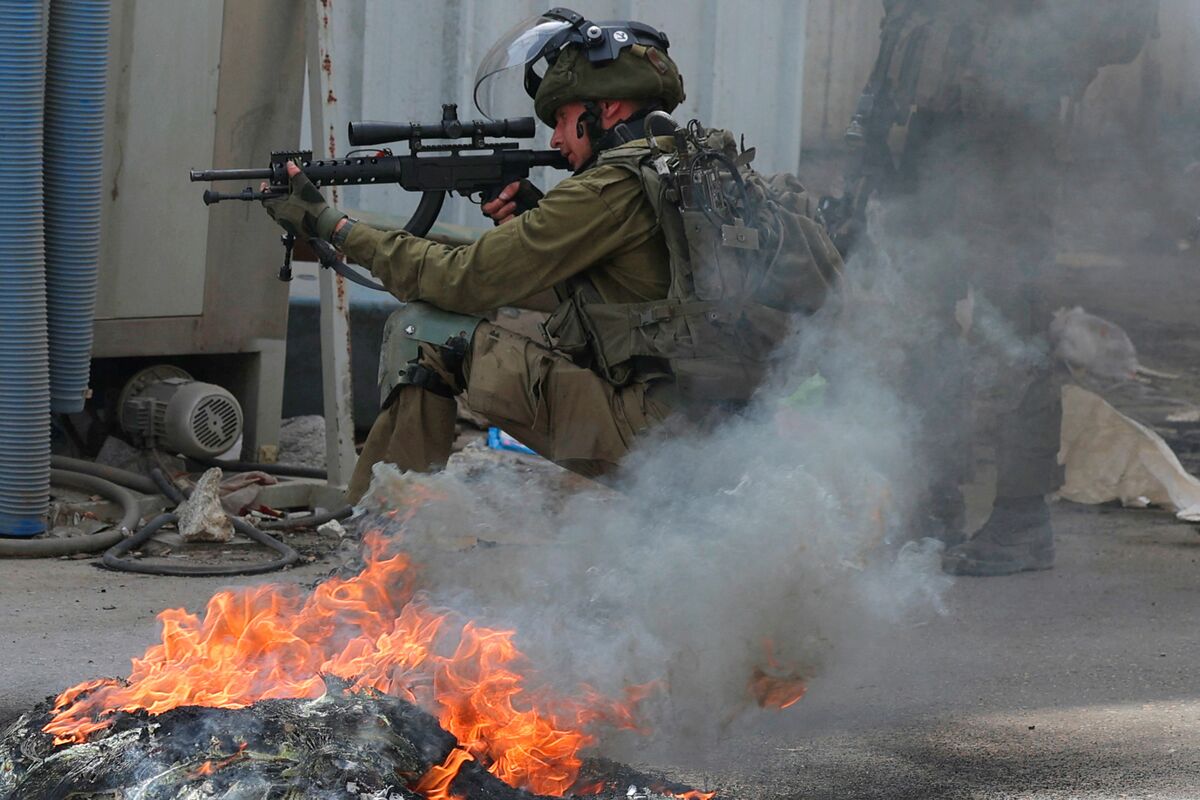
{"x": 332, "y": 527}
{"x": 201, "y": 517}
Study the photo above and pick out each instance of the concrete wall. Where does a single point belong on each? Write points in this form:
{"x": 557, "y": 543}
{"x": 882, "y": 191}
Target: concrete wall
{"x": 1128, "y": 103}
{"x": 157, "y": 122}
{"x": 193, "y": 85}
{"x": 743, "y": 68}
{"x": 843, "y": 36}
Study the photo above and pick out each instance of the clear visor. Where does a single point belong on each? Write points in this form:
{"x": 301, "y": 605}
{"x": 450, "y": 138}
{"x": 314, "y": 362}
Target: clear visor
{"x": 500, "y": 79}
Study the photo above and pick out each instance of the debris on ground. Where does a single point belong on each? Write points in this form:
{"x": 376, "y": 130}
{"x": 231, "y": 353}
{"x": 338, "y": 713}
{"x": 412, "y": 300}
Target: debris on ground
{"x": 332, "y": 528}
{"x": 202, "y": 518}
{"x": 276, "y": 748}
{"x": 1109, "y": 456}
{"x": 358, "y": 745}
{"x": 1094, "y": 346}
{"x": 240, "y": 491}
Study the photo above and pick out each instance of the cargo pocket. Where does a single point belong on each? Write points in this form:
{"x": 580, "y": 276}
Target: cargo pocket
{"x": 587, "y": 422}
{"x": 508, "y": 378}
{"x": 565, "y": 332}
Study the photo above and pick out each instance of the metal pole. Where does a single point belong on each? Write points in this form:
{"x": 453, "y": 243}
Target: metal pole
{"x": 335, "y": 300}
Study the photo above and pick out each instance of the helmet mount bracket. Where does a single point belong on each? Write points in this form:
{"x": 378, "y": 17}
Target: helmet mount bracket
{"x": 601, "y": 42}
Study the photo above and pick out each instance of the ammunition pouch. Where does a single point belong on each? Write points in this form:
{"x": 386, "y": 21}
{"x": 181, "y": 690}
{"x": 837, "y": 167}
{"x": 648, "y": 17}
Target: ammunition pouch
{"x": 746, "y": 262}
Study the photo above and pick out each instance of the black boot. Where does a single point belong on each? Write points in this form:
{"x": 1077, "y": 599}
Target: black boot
{"x": 1017, "y": 537}
{"x": 944, "y": 515}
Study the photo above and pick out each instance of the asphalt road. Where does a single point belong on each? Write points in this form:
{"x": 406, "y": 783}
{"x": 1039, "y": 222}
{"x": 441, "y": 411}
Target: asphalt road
{"x": 1073, "y": 683}
{"x": 1079, "y": 682}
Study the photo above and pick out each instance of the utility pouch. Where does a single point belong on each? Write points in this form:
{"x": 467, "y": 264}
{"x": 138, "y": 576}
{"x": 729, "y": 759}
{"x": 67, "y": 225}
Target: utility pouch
{"x": 746, "y": 262}
{"x": 564, "y": 332}
{"x": 715, "y": 253}
{"x": 704, "y": 256}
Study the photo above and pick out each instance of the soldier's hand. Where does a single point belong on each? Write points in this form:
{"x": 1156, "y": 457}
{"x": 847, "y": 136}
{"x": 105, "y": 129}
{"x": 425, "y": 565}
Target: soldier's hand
{"x": 303, "y": 211}
{"x": 503, "y": 207}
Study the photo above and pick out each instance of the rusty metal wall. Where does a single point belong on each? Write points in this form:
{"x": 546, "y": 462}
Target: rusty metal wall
{"x": 1164, "y": 81}
{"x": 743, "y": 67}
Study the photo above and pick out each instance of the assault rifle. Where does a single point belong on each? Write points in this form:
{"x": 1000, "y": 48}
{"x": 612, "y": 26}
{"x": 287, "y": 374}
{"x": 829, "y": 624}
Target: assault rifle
{"x": 870, "y": 164}
{"x": 480, "y": 167}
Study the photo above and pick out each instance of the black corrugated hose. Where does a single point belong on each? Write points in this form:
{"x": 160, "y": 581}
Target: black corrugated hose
{"x": 114, "y": 484}
{"x": 90, "y": 543}
{"x": 114, "y": 557}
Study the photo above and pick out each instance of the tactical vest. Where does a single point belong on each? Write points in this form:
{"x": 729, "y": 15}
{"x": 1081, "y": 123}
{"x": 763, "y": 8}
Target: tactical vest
{"x": 745, "y": 261}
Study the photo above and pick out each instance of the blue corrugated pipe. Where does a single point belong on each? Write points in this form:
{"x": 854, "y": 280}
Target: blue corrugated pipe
{"x": 24, "y": 371}
{"x": 76, "y": 69}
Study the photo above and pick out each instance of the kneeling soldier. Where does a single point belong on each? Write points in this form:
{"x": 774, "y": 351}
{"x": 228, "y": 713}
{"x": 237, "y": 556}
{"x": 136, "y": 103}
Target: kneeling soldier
{"x": 582, "y": 398}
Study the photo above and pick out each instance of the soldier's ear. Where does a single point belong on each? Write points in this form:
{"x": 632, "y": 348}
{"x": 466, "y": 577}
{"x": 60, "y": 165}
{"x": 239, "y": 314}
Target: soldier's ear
{"x": 611, "y": 112}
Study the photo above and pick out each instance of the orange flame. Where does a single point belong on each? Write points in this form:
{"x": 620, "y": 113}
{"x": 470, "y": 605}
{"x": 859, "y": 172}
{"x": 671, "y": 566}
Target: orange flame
{"x": 595, "y": 787}
{"x": 374, "y": 631}
{"x": 435, "y": 784}
{"x": 777, "y": 688}
{"x": 772, "y": 692}
{"x": 210, "y": 767}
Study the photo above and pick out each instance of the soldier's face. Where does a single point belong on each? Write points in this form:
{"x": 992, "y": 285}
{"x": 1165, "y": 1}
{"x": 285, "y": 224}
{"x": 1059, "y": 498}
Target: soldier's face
{"x": 575, "y": 148}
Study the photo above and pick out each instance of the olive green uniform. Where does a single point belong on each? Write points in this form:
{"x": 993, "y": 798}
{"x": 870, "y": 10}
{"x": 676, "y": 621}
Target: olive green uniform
{"x": 598, "y": 225}
{"x": 984, "y": 80}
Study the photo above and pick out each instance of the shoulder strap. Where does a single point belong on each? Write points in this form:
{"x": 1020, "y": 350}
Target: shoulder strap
{"x": 636, "y": 159}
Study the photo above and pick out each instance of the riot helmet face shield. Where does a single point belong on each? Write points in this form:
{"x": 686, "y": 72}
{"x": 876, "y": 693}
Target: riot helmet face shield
{"x": 510, "y": 73}
{"x": 500, "y": 89}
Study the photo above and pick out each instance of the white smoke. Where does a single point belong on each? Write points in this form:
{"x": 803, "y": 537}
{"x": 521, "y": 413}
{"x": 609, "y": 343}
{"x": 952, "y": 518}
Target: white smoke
{"x": 769, "y": 543}
{"x": 796, "y": 523}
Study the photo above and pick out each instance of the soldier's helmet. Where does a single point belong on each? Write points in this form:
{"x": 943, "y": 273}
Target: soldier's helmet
{"x": 560, "y": 57}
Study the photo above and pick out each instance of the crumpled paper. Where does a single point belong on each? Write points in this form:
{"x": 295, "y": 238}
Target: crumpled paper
{"x": 1109, "y": 456}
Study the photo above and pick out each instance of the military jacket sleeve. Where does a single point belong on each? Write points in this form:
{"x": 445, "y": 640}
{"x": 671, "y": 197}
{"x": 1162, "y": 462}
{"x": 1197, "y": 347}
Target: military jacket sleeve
{"x": 585, "y": 221}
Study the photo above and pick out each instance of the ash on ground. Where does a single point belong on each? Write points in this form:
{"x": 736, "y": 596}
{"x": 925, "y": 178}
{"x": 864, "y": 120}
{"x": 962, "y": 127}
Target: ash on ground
{"x": 350, "y": 746}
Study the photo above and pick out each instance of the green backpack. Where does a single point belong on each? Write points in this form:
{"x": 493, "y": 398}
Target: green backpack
{"x": 747, "y": 261}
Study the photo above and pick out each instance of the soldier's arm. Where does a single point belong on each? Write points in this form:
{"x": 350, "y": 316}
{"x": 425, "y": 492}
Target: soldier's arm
{"x": 579, "y": 223}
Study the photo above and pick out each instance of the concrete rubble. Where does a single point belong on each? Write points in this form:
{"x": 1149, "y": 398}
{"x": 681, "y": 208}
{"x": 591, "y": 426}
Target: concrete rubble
{"x": 202, "y": 518}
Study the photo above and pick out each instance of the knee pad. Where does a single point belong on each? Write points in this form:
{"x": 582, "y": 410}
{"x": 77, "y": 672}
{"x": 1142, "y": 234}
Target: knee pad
{"x": 405, "y": 330}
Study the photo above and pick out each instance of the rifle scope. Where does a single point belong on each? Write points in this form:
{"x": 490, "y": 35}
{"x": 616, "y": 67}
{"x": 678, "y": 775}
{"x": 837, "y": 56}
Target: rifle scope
{"x": 366, "y": 133}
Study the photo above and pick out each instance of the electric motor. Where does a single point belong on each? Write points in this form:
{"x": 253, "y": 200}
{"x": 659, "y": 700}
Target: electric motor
{"x": 164, "y": 406}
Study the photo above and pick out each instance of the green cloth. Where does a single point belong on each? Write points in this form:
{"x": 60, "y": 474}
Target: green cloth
{"x": 599, "y": 223}
{"x": 811, "y": 392}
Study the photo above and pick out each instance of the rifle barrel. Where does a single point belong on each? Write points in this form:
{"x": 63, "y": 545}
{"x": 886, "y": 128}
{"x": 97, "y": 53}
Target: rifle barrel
{"x": 230, "y": 174}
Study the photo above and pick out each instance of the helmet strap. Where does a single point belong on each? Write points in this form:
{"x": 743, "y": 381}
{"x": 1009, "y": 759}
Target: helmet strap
{"x": 628, "y": 129}
{"x": 588, "y": 123}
